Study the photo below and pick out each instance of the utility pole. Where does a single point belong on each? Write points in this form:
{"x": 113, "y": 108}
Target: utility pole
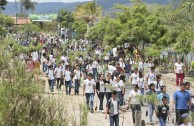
{"x": 16, "y": 13}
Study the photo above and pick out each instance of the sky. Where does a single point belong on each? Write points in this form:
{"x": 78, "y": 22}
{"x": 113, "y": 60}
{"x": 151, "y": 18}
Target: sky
{"x": 65, "y": 1}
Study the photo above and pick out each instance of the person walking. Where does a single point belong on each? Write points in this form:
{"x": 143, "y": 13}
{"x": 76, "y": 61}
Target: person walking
{"x": 178, "y": 69}
{"x": 100, "y": 90}
{"x": 151, "y": 105}
{"x": 158, "y": 83}
{"x": 127, "y": 69}
{"x": 89, "y": 91}
{"x": 67, "y": 78}
{"x": 150, "y": 77}
{"x": 113, "y": 109}
{"x": 134, "y": 77}
{"x": 134, "y": 101}
{"x": 77, "y": 77}
{"x": 181, "y": 101}
{"x": 141, "y": 82}
{"x": 108, "y": 86}
{"x": 51, "y": 78}
{"x": 162, "y": 94}
{"x": 162, "y": 111}
{"x": 58, "y": 74}
{"x": 119, "y": 87}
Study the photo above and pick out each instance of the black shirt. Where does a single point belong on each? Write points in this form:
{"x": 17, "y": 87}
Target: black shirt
{"x": 162, "y": 111}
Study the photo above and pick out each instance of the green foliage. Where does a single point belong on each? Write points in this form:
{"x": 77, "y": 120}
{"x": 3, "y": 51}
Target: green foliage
{"x": 65, "y": 18}
{"x": 192, "y": 65}
{"x": 80, "y": 28}
{"x": 152, "y": 51}
{"x": 30, "y": 28}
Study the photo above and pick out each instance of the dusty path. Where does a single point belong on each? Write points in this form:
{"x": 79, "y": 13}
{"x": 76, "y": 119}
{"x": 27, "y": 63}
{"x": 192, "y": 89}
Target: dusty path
{"x": 97, "y": 118}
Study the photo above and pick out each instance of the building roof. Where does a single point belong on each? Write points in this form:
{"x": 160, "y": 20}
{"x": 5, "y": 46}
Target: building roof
{"x": 21, "y": 21}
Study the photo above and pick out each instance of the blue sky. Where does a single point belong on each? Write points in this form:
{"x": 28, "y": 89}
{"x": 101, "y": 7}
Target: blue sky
{"x": 65, "y": 1}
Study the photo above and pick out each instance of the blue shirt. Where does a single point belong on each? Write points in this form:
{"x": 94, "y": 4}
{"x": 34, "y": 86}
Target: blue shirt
{"x": 161, "y": 95}
{"x": 181, "y": 99}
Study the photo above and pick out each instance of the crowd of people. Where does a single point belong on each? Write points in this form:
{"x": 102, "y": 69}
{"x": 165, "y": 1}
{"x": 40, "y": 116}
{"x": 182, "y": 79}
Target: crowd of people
{"x": 109, "y": 74}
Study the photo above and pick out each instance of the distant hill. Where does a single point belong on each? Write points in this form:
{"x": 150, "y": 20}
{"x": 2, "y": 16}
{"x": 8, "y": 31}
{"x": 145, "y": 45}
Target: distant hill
{"x": 53, "y": 7}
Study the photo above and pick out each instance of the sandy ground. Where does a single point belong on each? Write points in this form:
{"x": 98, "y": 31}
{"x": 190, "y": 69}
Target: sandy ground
{"x": 97, "y": 118}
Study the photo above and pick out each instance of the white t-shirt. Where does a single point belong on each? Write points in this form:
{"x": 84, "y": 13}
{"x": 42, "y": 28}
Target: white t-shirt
{"x": 179, "y": 67}
{"x": 89, "y": 85}
{"x": 122, "y": 65}
{"x": 141, "y": 65}
{"x": 102, "y": 86}
{"x": 114, "y": 51}
{"x": 151, "y": 77}
{"x": 89, "y": 68}
{"x": 115, "y": 103}
{"x": 100, "y": 69}
{"x": 140, "y": 82}
{"x": 107, "y": 56}
{"x": 109, "y": 86}
{"x": 134, "y": 97}
{"x": 159, "y": 85}
{"x": 67, "y": 75}
{"x": 134, "y": 78}
{"x": 118, "y": 85}
{"x": 50, "y": 74}
{"x": 94, "y": 64}
{"x": 58, "y": 71}
{"x": 78, "y": 74}
{"x": 35, "y": 56}
{"x": 111, "y": 68}
{"x": 65, "y": 59}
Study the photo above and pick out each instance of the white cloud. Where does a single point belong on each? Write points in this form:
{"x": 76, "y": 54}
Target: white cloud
{"x": 65, "y": 1}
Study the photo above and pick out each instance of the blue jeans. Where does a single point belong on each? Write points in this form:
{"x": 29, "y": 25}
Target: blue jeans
{"x": 151, "y": 108}
{"x": 162, "y": 121}
{"x": 95, "y": 73}
{"x": 51, "y": 85}
{"x": 142, "y": 91}
{"x": 77, "y": 85}
{"x": 68, "y": 85}
{"x": 90, "y": 100}
{"x": 120, "y": 97}
{"x": 108, "y": 96}
{"x": 127, "y": 75}
{"x": 114, "y": 120}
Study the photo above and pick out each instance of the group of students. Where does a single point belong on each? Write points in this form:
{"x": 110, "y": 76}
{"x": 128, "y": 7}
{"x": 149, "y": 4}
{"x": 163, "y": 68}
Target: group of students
{"x": 111, "y": 83}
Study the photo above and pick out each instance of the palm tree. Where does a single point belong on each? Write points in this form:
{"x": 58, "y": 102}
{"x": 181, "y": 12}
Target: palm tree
{"x": 33, "y": 6}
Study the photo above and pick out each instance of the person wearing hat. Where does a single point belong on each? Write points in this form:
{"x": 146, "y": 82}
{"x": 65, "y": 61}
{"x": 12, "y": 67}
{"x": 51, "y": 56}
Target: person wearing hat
{"x": 89, "y": 91}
